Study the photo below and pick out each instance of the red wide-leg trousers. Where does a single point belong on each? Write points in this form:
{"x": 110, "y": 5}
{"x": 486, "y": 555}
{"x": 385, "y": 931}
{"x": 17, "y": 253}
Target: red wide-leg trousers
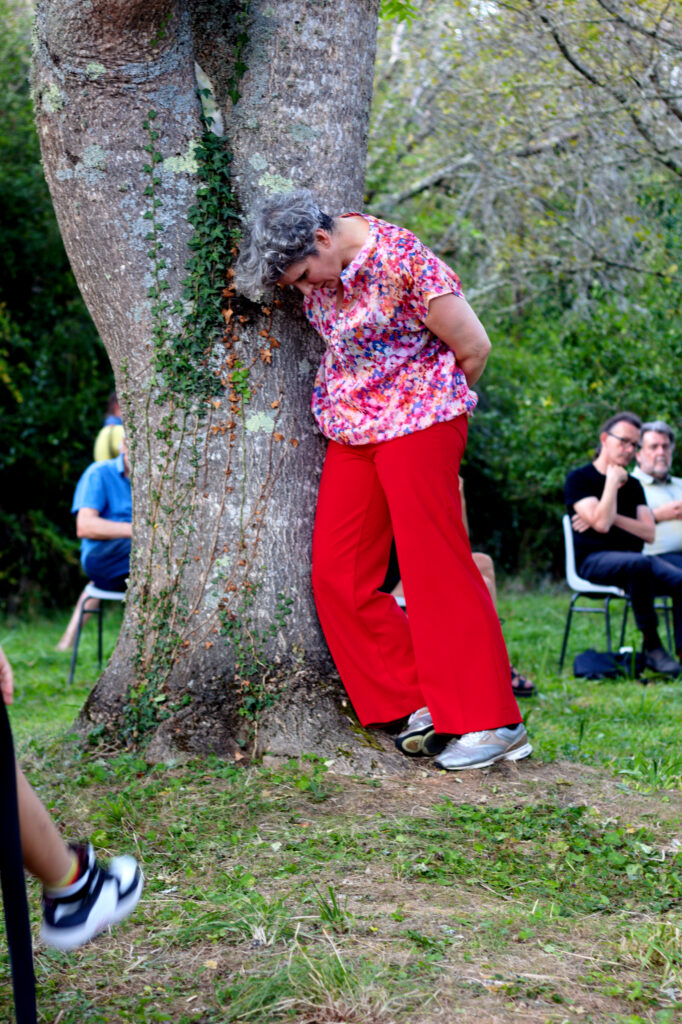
{"x": 450, "y": 654}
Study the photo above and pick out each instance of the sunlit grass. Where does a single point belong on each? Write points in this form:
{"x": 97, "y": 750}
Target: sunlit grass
{"x": 631, "y": 728}
{"x": 43, "y": 703}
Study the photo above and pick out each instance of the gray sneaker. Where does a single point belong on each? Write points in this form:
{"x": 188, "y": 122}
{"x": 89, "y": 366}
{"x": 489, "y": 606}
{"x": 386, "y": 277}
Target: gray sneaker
{"x": 419, "y": 739}
{"x": 479, "y": 749}
{"x": 659, "y": 660}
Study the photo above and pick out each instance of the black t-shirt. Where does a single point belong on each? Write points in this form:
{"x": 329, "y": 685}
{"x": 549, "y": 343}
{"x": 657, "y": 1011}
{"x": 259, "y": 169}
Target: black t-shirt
{"x": 588, "y": 482}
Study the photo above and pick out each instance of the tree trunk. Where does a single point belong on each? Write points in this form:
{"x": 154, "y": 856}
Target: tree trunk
{"x": 220, "y": 644}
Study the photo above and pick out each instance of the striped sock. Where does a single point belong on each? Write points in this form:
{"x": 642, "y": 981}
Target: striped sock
{"x": 79, "y": 874}
{"x": 71, "y": 875}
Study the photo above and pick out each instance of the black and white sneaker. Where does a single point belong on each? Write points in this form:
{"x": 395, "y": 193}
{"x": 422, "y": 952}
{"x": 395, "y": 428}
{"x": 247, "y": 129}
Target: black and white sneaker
{"x": 419, "y": 738}
{"x": 98, "y": 898}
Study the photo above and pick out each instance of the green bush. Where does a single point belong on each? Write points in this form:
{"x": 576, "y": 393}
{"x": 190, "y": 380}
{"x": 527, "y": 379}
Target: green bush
{"x": 54, "y": 373}
{"x": 555, "y": 376}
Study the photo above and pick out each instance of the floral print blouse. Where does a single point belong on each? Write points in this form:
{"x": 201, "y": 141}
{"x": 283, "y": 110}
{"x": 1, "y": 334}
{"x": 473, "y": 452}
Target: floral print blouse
{"x": 384, "y": 374}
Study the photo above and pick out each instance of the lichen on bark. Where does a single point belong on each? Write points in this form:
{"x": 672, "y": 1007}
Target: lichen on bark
{"x": 291, "y": 103}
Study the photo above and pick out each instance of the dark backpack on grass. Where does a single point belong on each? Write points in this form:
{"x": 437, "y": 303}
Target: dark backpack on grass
{"x": 593, "y": 664}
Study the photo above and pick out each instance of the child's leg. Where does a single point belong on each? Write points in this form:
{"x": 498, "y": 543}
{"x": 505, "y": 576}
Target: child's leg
{"x": 69, "y": 635}
{"x": 45, "y": 853}
{"x": 486, "y": 567}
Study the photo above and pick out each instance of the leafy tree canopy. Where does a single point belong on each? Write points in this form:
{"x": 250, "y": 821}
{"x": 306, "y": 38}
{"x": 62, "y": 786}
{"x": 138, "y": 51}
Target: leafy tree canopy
{"x": 535, "y": 145}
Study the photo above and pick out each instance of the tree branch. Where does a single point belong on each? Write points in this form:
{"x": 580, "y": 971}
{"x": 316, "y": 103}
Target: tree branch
{"x": 610, "y": 7}
{"x": 663, "y": 156}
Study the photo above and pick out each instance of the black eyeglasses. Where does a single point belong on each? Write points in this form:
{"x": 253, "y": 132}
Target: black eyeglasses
{"x": 625, "y": 441}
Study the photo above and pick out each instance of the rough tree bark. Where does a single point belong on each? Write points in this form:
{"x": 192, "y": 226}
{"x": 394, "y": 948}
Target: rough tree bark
{"x": 225, "y": 454}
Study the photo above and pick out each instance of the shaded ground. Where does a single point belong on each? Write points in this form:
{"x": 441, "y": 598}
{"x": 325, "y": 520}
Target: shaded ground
{"x": 522, "y": 781}
{"x": 544, "y": 891}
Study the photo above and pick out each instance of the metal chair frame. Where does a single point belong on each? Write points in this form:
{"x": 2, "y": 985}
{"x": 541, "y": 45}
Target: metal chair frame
{"x": 93, "y": 593}
{"x": 583, "y": 588}
{"x": 599, "y": 592}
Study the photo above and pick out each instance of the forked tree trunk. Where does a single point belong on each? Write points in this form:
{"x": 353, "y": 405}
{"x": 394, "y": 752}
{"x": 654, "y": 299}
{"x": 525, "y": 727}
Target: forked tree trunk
{"x": 220, "y": 625}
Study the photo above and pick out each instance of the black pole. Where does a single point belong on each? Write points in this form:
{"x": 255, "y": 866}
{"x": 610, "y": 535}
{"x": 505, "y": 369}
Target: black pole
{"x": 13, "y": 883}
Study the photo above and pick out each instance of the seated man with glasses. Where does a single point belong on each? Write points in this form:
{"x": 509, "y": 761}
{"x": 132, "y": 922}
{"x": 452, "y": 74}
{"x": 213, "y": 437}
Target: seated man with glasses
{"x": 611, "y": 522}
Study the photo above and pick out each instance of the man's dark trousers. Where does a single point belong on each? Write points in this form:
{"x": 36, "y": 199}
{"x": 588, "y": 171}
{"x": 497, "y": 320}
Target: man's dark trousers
{"x": 643, "y": 578}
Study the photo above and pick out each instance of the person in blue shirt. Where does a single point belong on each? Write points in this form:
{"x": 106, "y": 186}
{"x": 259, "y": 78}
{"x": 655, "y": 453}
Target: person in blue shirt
{"x": 103, "y": 508}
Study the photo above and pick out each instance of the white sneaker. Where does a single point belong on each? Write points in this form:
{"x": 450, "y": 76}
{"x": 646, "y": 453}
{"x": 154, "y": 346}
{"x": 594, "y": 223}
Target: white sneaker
{"x": 98, "y": 898}
{"x": 480, "y": 749}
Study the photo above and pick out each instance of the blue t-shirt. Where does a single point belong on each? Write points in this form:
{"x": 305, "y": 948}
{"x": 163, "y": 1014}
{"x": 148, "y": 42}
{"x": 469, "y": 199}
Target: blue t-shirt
{"x": 104, "y": 487}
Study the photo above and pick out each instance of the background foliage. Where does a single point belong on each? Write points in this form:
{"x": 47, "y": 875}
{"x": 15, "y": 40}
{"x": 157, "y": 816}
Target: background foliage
{"x": 54, "y": 373}
{"x": 536, "y": 145}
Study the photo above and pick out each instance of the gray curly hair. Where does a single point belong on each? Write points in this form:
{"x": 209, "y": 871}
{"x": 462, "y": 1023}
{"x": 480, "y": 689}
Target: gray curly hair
{"x": 281, "y": 233}
{"x": 659, "y": 427}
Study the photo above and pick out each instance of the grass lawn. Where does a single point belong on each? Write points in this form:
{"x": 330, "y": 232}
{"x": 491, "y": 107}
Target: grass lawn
{"x": 544, "y": 891}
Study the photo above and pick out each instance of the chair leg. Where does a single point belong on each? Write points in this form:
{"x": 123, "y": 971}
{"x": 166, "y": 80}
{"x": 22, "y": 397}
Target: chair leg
{"x": 607, "y": 616}
{"x": 99, "y": 635}
{"x": 666, "y": 616}
{"x": 566, "y": 631}
{"x": 74, "y": 653}
{"x": 623, "y": 624}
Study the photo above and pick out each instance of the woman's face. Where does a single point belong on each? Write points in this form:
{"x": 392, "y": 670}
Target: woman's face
{"x": 321, "y": 270}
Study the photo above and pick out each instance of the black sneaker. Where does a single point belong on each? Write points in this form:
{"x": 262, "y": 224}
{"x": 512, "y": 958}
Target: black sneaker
{"x": 420, "y": 739}
{"x": 659, "y": 660}
{"x": 99, "y": 898}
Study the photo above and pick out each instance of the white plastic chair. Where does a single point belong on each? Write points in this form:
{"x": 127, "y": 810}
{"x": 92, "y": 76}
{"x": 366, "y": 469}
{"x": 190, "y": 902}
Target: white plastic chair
{"x": 583, "y": 588}
{"x": 602, "y": 591}
{"x": 93, "y": 593}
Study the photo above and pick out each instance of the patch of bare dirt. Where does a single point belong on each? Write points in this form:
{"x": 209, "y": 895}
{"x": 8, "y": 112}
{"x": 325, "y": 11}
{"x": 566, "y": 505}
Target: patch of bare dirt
{"x": 415, "y": 790}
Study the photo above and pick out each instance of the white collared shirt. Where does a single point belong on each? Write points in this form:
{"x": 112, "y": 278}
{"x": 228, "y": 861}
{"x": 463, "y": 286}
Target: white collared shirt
{"x": 659, "y": 492}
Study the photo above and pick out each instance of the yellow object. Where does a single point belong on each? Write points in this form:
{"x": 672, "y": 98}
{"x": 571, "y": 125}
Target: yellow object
{"x": 71, "y": 875}
{"x": 108, "y": 442}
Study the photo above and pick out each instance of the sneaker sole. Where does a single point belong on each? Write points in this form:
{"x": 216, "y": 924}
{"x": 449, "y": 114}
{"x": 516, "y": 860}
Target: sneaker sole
{"x": 508, "y": 755}
{"x": 421, "y": 744}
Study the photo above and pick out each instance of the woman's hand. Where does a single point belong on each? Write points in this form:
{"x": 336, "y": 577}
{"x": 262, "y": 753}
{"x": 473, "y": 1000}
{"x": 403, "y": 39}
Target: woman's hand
{"x": 452, "y": 319}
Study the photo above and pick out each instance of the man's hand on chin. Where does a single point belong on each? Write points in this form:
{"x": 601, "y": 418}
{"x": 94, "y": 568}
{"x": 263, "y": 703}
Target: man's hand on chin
{"x": 617, "y": 473}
